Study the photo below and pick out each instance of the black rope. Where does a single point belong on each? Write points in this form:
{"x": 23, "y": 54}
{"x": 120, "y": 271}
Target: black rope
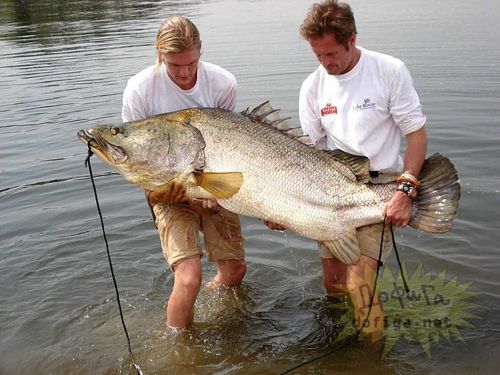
{"x": 87, "y": 164}
{"x": 399, "y": 262}
{"x": 351, "y": 339}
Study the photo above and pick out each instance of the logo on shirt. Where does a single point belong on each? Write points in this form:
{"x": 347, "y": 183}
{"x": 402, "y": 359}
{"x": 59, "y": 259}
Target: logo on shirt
{"x": 367, "y": 104}
{"x": 328, "y": 109}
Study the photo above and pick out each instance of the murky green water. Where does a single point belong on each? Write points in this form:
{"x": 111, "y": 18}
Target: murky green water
{"x": 63, "y": 67}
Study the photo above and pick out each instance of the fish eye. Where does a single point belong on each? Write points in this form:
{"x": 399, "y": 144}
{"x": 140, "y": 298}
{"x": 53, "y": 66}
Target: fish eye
{"x": 115, "y": 130}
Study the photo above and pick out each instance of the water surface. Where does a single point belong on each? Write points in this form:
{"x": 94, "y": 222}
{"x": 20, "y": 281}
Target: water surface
{"x": 63, "y": 67}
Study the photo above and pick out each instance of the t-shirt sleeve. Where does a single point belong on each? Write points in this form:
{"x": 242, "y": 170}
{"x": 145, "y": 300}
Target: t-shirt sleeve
{"x": 133, "y": 107}
{"x": 310, "y": 120}
{"x": 404, "y": 103}
{"x": 229, "y": 97}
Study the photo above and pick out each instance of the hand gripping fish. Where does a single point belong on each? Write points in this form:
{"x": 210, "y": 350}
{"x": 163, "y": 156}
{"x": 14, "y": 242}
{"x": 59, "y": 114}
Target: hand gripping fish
{"x": 255, "y": 166}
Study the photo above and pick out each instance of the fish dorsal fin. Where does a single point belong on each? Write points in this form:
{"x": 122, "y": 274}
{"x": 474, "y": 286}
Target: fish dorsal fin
{"x": 220, "y": 185}
{"x": 359, "y": 165}
{"x": 266, "y": 114}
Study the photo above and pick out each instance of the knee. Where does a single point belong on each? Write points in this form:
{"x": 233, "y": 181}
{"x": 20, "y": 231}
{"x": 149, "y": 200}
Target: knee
{"x": 334, "y": 276}
{"x": 231, "y": 272}
{"x": 333, "y": 285}
{"x": 239, "y": 270}
{"x": 188, "y": 278}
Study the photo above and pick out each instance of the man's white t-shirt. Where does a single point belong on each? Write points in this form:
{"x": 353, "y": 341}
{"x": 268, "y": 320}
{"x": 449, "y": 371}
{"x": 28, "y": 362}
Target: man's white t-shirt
{"x": 363, "y": 112}
{"x": 149, "y": 94}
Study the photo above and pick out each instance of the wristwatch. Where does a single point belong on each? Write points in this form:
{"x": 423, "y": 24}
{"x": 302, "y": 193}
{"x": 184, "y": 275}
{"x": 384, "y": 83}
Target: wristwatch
{"x": 408, "y": 188}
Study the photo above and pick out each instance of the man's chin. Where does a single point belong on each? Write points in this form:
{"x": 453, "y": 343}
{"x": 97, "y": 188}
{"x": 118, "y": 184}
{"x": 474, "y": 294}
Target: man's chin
{"x": 184, "y": 83}
{"x": 332, "y": 72}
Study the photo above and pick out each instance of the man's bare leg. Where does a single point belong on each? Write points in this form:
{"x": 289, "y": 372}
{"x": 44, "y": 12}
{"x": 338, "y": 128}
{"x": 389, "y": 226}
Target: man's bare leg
{"x": 187, "y": 282}
{"x": 357, "y": 281}
{"x": 230, "y": 272}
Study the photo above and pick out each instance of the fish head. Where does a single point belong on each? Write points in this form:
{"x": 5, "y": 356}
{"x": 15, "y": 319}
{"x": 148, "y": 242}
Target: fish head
{"x": 148, "y": 152}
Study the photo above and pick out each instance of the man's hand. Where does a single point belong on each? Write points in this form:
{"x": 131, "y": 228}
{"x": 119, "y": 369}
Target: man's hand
{"x": 173, "y": 193}
{"x": 398, "y": 210}
{"x": 274, "y": 226}
{"x": 210, "y": 204}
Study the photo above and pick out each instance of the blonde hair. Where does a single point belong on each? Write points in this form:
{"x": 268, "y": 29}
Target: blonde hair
{"x": 175, "y": 35}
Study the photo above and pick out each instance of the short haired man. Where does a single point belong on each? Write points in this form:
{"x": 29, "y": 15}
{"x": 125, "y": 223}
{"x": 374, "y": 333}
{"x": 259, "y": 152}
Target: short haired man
{"x": 361, "y": 102}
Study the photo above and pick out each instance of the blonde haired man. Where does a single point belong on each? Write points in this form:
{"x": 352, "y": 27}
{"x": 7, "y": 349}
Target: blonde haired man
{"x": 180, "y": 80}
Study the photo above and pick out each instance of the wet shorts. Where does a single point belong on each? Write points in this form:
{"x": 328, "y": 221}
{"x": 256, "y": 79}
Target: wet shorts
{"x": 179, "y": 226}
{"x": 369, "y": 242}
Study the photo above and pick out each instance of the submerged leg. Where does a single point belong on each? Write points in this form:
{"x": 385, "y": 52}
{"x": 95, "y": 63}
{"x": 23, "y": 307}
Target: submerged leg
{"x": 357, "y": 282}
{"x": 187, "y": 283}
{"x": 178, "y": 227}
{"x": 230, "y": 272}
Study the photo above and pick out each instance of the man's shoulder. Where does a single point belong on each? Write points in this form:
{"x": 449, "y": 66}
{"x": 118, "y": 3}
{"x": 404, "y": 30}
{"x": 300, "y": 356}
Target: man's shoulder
{"x": 311, "y": 81}
{"x": 215, "y": 72}
{"x": 381, "y": 59}
{"x": 143, "y": 77}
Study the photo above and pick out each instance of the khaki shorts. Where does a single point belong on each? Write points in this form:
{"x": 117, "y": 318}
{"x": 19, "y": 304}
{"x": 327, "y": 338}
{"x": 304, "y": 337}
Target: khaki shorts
{"x": 179, "y": 226}
{"x": 369, "y": 242}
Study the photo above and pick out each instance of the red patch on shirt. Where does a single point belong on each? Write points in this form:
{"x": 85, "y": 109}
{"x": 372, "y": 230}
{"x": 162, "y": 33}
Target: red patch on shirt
{"x": 328, "y": 110}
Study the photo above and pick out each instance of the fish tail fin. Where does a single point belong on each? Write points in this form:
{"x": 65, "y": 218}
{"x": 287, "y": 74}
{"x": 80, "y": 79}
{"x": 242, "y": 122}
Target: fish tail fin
{"x": 436, "y": 203}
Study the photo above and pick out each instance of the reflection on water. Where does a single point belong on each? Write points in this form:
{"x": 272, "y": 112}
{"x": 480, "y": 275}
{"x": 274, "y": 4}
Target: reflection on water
{"x": 60, "y": 22}
{"x": 64, "y": 65}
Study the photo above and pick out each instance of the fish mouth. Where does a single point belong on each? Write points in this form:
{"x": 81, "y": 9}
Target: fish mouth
{"x": 86, "y": 138}
{"x": 108, "y": 151}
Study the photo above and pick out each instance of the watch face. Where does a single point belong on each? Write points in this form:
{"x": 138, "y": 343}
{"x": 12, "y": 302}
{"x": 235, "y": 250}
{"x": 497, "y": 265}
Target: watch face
{"x": 408, "y": 188}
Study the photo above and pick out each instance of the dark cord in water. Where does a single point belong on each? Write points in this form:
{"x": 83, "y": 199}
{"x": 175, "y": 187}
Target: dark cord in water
{"x": 87, "y": 164}
{"x": 352, "y": 339}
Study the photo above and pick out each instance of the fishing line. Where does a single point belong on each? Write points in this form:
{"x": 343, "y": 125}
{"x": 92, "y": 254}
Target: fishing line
{"x": 352, "y": 339}
{"x": 407, "y": 290}
{"x": 87, "y": 164}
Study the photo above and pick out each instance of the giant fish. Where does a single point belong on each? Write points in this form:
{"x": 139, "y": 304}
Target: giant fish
{"x": 254, "y": 165}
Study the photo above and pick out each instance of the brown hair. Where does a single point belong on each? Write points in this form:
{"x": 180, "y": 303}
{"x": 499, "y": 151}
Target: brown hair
{"x": 329, "y": 17}
{"x": 175, "y": 35}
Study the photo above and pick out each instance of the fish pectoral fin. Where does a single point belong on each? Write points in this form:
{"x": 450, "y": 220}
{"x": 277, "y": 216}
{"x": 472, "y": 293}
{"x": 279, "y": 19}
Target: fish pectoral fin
{"x": 346, "y": 249}
{"x": 220, "y": 185}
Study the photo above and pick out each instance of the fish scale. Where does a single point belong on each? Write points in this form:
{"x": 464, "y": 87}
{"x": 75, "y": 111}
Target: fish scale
{"x": 298, "y": 186}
